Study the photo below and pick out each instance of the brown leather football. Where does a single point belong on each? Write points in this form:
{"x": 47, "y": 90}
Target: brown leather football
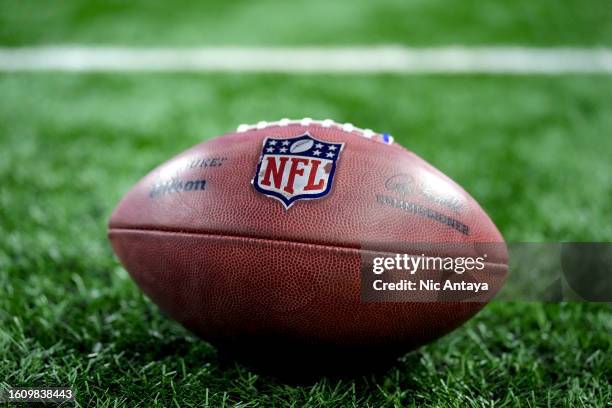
{"x": 255, "y": 240}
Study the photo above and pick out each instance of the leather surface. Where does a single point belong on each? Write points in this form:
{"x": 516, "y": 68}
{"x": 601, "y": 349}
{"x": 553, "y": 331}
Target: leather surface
{"x": 233, "y": 264}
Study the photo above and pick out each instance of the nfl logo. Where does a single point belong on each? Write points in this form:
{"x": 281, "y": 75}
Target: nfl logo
{"x": 296, "y": 168}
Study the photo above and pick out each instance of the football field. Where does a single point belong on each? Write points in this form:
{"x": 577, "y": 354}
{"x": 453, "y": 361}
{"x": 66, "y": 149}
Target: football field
{"x": 534, "y": 149}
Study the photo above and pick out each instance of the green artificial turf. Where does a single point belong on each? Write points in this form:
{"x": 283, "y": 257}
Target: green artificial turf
{"x": 307, "y": 22}
{"x": 534, "y": 151}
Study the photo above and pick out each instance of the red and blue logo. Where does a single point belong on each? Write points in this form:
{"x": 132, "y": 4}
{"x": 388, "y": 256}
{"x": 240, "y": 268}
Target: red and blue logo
{"x": 296, "y": 168}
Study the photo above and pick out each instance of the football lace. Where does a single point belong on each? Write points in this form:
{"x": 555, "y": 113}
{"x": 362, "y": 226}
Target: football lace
{"x": 326, "y": 123}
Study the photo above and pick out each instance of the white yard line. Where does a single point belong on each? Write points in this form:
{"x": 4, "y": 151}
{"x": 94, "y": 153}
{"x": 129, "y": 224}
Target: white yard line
{"x": 374, "y": 60}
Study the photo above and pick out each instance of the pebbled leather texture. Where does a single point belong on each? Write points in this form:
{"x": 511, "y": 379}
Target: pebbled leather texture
{"x": 235, "y": 266}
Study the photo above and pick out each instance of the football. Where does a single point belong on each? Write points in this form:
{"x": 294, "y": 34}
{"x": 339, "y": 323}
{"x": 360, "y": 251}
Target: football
{"x": 258, "y": 240}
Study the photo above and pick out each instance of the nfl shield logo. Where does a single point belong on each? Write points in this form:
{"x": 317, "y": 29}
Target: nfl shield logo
{"x": 296, "y": 168}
